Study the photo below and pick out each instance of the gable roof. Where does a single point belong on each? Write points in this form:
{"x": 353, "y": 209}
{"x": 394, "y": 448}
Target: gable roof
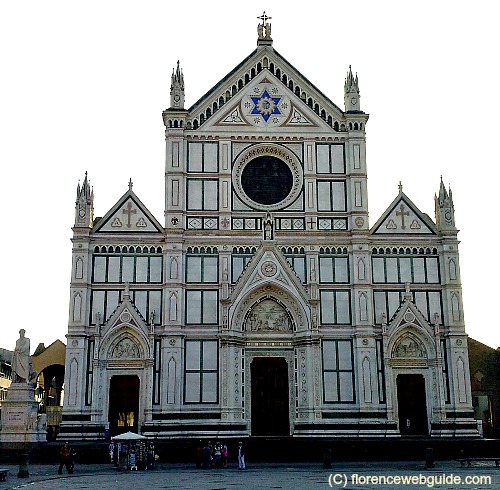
{"x": 264, "y": 59}
{"x": 126, "y": 313}
{"x": 402, "y": 217}
{"x": 268, "y": 265}
{"x": 408, "y": 315}
{"x": 128, "y": 215}
{"x": 266, "y": 103}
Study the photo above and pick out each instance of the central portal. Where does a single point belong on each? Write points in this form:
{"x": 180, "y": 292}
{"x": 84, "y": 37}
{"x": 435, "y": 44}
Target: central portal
{"x": 270, "y": 396}
{"x": 123, "y": 404}
{"x": 412, "y": 405}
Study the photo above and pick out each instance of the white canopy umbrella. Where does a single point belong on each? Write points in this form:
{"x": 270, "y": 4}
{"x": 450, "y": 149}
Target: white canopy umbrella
{"x": 129, "y": 436}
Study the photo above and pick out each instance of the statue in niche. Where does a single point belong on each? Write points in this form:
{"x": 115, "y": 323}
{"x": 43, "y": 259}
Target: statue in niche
{"x": 21, "y": 361}
{"x": 407, "y": 347}
{"x": 268, "y": 228}
{"x": 126, "y": 349}
{"x": 268, "y": 316}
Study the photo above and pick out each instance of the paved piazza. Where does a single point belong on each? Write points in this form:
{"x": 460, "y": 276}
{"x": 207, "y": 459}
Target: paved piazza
{"x": 351, "y": 475}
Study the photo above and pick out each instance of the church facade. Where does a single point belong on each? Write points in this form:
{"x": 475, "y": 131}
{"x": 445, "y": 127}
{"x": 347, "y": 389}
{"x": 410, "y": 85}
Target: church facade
{"x": 265, "y": 304}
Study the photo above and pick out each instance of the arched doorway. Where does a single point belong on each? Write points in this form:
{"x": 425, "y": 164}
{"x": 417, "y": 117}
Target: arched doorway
{"x": 123, "y": 404}
{"x": 270, "y": 397}
{"x": 412, "y": 407}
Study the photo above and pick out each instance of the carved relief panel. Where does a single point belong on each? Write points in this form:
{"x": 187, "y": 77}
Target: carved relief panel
{"x": 268, "y": 315}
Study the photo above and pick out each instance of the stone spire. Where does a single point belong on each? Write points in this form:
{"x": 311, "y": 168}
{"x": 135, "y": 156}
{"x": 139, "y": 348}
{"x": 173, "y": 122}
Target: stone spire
{"x": 351, "y": 92}
{"x": 84, "y": 209}
{"x": 264, "y": 31}
{"x": 177, "y": 89}
{"x": 445, "y": 212}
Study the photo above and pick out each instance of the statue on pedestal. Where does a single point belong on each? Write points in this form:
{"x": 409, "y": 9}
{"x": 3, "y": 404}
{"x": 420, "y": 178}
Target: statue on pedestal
{"x": 21, "y": 359}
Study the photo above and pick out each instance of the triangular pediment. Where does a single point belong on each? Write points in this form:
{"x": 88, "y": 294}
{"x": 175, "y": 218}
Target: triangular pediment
{"x": 265, "y": 92}
{"x": 266, "y": 104}
{"x": 408, "y": 314}
{"x": 127, "y": 314}
{"x": 269, "y": 267}
{"x": 128, "y": 215}
{"x": 402, "y": 217}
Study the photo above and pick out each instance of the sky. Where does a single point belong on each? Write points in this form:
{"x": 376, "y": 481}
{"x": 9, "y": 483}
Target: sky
{"x": 83, "y": 86}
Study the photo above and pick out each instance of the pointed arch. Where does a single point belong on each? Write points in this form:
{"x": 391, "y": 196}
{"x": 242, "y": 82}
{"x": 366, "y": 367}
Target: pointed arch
{"x": 79, "y": 268}
{"x": 77, "y": 307}
{"x": 171, "y": 378}
{"x": 361, "y": 269}
{"x": 172, "y": 307}
{"x": 408, "y": 345}
{"x": 268, "y": 314}
{"x": 363, "y": 307}
{"x": 120, "y": 331}
{"x": 455, "y": 308}
{"x": 125, "y": 347}
{"x": 452, "y": 268}
{"x": 174, "y": 268}
{"x": 73, "y": 382}
{"x": 367, "y": 380}
{"x": 291, "y": 302}
{"x": 462, "y": 383}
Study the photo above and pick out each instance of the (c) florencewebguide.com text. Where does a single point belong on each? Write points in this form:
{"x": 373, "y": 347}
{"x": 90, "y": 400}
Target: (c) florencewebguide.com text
{"x": 341, "y": 480}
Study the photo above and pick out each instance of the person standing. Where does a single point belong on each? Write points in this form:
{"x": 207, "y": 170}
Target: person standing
{"x": 112, "y": 451}
{"x": 211, "y": 450}
{"x": 206, "y": 456}
{"x": 199, "y": 455}
{"x": 241, "y": 456}
{"x": 218, "y": 455}
{"x": 224, "y": 456}
{"x": 65, "y": 459}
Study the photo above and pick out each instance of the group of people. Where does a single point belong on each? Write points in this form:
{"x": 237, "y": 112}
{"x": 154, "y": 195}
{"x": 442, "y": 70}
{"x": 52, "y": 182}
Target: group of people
{"x": 211, "y": 456}
{"x": 215, "y": 456}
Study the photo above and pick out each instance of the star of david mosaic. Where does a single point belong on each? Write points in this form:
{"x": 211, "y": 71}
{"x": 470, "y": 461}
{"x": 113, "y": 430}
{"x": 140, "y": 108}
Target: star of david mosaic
{"x": 265, "y": 105}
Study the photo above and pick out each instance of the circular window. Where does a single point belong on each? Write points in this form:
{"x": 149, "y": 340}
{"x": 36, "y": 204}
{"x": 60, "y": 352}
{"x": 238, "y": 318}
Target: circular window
{"x": 267, "y": 177}
{"x": 267, "y": 180}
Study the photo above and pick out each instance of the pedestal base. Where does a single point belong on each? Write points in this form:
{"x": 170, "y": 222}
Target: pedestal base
{"x": 20, "y": 420}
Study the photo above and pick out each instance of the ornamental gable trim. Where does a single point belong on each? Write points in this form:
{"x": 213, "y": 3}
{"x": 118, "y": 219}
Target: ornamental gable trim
{"x": 402, "y": 217}
{"x": 266, "y": 63}
{"x": 268, "y": 266}
{"x": 125, "y": 314}
{"x": 266, "y": 104}
{"x": 128, "y": 215}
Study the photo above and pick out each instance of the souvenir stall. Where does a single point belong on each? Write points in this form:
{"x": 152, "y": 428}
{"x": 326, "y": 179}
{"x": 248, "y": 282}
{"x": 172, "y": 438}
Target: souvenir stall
{"x": 132, "y": 451}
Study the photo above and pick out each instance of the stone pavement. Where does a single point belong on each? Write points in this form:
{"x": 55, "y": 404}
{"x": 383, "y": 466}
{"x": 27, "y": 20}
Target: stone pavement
{"x": 296, "y": 476}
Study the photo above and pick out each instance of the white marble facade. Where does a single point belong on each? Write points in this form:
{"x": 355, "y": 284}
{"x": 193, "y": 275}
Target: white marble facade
{"x": 266, "y": 304}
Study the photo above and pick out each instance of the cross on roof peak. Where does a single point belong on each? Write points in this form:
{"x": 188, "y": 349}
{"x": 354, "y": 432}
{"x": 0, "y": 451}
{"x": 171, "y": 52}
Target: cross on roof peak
{"x": 264, "y": 31}
{"x": 264, "y": 18}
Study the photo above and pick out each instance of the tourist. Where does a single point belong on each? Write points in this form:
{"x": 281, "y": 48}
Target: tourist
{"x": 112, "y": 451}
{"x": 206, "y": 456}
{"x": 211, "y": 450}
{"x": 224, "y": 456}
{"x": 199, "y": 455}
{"x": 66, "y": 459}
{"x": 241, "y": 456}
{"x": 218, "y": 455}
